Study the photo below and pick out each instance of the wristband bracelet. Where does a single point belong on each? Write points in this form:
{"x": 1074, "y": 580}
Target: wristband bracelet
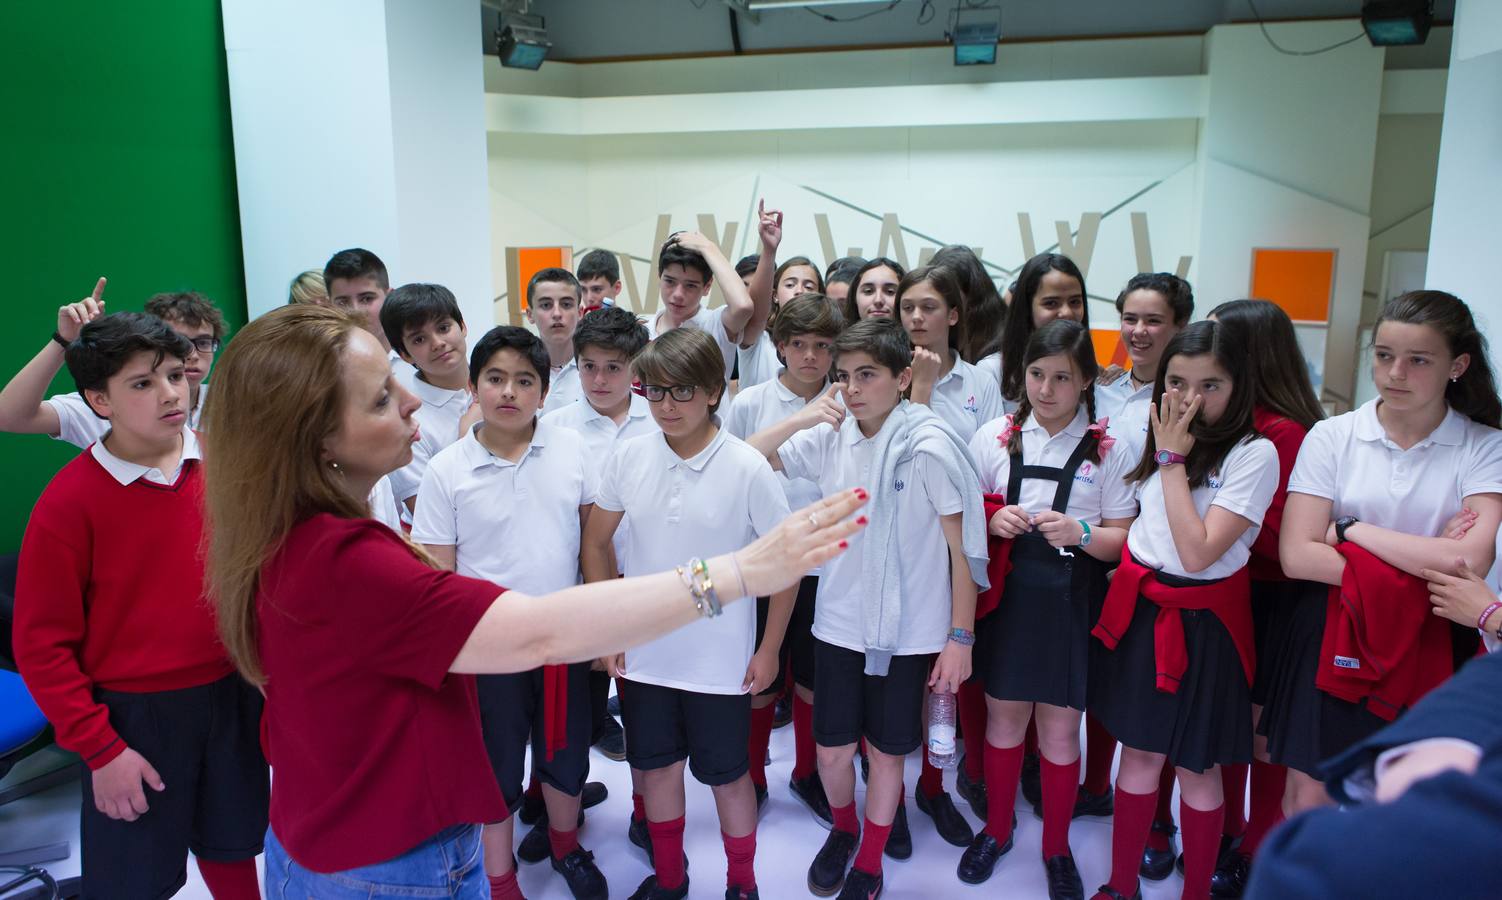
{"x": 962, "y": 637}
{"x": 700, "y": 570}
{"x": 61, "y": 341}
{"x": 693, "y": 589}
{"x": 1487, "y": 614}
{"x": 739, "y": 578}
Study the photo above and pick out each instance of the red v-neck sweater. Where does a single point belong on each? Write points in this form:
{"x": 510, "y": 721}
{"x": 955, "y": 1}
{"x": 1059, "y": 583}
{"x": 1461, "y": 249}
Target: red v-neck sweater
{"x": 110, "y": 595}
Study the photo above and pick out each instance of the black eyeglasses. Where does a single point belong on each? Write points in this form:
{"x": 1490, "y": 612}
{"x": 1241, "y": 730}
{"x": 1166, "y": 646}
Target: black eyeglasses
{"x": 681, "y": 392}
{"x": 205, "y": 344}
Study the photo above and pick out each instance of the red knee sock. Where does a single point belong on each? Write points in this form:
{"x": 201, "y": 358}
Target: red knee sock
{"x": 1268, "y": 782}
{"x": 973, "y": 724}
{"x": 930, "y": 779}
{"x": 1233, "y": 784}
{"x": 761, "y": 732}
{"x": 504, "y": 887}
{"x": 805, "y": 755}
{"x": 1201, "y": 846}
{"x": 1030, "y": 740}
{"x": 740, "y": 857}
{"x": 1060, "y": 787}
{"x": 1100, "y": 751}
{"x": 563, "y": 842}
{"x": 868, "y": 857}
{"x": 230, "y": 880}
{"x": 1159, "y": 839}
{"x": 1003, "y": 771}
{"x": 1134, "y": 818}
{"x": 667, "y": 852}
{"x": 845, "y": 820}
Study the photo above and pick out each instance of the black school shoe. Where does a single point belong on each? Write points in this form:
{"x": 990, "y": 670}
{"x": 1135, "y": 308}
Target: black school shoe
{"x": 733, "y": 893}
{"x": 1231, "y": 875}
{"x": 594, "y": 794}
{"x": 1032, "y": 781}
{"x": 1111, "y": 893}
{"x": 536, "y": 847}
{"x": 900, "y": 840}
{"x": 612, "y": 742}
{"x": 782, "y": 712}
{"x": 641, "y": 837}
{"x": 1063, "y": 878}
{"x": 980, "y": 858}
{"x": 973, "y": 792}
{"x": 1088, "y": 804}
{"x": 613, "y": 705}
{"x": 533, "y": 809}
{"x": 948, "y": 821}
{"x": 1158, "y": 864}
{"x": 584, "y": 879}
{"x": 826, "y": 874}
{"x": 861, "y": 886}
{"x": 649, "y": 890}
{"x": 811, "y": 791}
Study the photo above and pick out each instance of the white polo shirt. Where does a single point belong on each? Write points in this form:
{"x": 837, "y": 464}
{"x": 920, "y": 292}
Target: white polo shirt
{"x": 77, "y": 424}
{"x": 383, "y": 506}
{"x": 965, "y": 398}
{"x": 990, "y": 365}
{"x": 1349, "y": 461}
{"x": 438, "y": 426}
{"x": 758, "y": 362}
{"x": 717, "y": 502}
{"x": 1245, "y": 485}
{"x": 1128, "y": 408}
{"x": 513, "y": 523}
{"x": 1100, "y": 491}
{"x": 564, "y": 387}
{"x": 709, "y": 321}
{"x": 405, "y": 372}
{"x": 127, "y": 472}
{"x": 601, "y": 434}
{"x": 841, "y": 459}
{"x": 761, "y": 406}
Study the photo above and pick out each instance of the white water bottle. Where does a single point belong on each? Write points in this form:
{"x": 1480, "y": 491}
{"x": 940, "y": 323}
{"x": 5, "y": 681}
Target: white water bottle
{"x": 941, "y": 731}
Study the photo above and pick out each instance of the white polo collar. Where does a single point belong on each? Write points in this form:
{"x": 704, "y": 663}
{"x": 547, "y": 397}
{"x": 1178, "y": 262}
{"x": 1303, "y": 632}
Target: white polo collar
{"x": 127, "y": 472}
{"x": 1451, "y": 430}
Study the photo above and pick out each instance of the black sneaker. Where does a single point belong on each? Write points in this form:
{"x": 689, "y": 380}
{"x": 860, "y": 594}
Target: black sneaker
{"x": 948, "y": 821}
{"x": 1231, "y": 875}
{"x": 900, "y": 840}
{"x": 1063, "y": 878}
{"x": 826, "y": 874}
{"x": 584, "y": 878}
{"x": 782, "y": 712}
{"x": 734, "y": 893}
{"x": 1032, "y": 780}
{"x": 1158, "y": 864}
{"x": 613, "y": 705}
{"x": 594, "y": 794}
{"x": 641, "y": 837}
{"x": 1088, "y": 804}
{"x": 535, "y": 847}
{"x": 533, "y": 809}
{"x": 650, "y": 891}
{"x": 973, "y": 792}
{"x": 861, "y": 886}
{"x": 980, "y": 858}
{"x": 612, "y": 741}
{"x": 811, "y": 791}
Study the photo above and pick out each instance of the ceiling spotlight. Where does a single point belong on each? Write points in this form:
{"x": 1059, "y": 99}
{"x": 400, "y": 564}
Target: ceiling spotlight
{"x": 522, "y": 41}
{"x": 1395, "y": 23}
{"x": 975, "y": 31}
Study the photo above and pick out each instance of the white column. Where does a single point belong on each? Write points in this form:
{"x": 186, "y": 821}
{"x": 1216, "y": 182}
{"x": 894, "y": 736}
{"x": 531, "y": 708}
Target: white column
{"x": 1468, "y": 192}
{"x": 360, "y": 123}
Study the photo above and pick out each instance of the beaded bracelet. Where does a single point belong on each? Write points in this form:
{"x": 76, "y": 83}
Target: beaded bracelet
{"x": 1487, "y": 614}
{"x": 700, "y": 569}
{"x": 693, "y": 589}
{"x": 962, "y": 637}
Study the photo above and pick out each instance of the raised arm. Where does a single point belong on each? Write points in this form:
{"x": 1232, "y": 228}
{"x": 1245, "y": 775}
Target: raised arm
{"x": 738, "y": 308}
{"x": 520, "y": 632}
{"x": 23, "y": 409}
{"x": 761, "y": 287}
{"x": 827, "y": 408}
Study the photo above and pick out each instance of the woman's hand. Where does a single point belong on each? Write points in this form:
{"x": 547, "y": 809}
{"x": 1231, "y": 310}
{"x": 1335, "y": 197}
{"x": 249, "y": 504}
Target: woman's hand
{"x": 1171, "y": 422}
{"x": 1010, "y": 521}
{"x": 1461, "y": 597}
{"x": 951, "y": 669}
{"x": 760, "y": 673}
{"x": 804, "y": 541}
{"x": 1058, "y": 529}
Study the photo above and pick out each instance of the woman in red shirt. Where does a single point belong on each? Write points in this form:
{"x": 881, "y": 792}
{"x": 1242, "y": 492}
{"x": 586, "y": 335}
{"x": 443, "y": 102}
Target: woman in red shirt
{"x": 356, "y": 639}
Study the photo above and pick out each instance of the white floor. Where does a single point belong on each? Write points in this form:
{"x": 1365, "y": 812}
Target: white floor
{"x": 787, "y": 840}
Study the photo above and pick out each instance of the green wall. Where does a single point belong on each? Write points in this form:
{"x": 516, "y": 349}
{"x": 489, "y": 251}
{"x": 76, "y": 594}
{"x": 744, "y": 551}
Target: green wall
{"x": 118, "y": 161}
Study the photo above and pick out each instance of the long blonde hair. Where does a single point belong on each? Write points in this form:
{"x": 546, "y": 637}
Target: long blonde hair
{"x": 278, "y": 395}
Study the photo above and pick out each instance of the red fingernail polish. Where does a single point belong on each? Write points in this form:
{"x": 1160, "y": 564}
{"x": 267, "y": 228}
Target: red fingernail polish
{"x": 844, "y": 544}
{"x": 861, "y": 493}
{"x": 861, "y": 520}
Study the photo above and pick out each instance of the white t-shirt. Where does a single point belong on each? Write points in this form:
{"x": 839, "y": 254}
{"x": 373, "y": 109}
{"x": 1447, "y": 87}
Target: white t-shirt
{"x": 77, "y": 424}
{"x": 1100, "y": 490}
{"x": 965, "y": 398}
{"x": 1128, "y": 408}
{"x": 709, "y": 321}
{"x": 601, "y": 434}
{"x": 1245, "y": 485}
{"x": 841, "y": 459}
{"x": 762, "y": 406}
{"x": 758, "y": 362}
{"x": 716, "y": 502}
{"x": 513, "y": 523}
{"x": 1349, "y": 461}
{"x": 438, "y": 426}
{"x": 563, "y": 387}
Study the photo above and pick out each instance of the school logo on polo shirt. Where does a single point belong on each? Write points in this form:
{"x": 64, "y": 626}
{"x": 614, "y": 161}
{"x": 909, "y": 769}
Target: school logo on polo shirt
{"x": 1215, "y": 481}
{"x": 1085, "y": 474}
{"x": 972, "y": 405}
{"x": 899, "y": 485}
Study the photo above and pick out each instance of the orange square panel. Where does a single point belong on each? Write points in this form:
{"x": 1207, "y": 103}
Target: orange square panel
{"x": 1302, "y": 282}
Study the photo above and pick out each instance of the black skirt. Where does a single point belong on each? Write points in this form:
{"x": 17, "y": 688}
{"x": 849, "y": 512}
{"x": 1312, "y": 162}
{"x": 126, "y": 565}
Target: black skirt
{"x": 1207, "y": 722}
{"x": 1270, "y": 602}
{"x": 1035, "y": 646}
{"x": 1293, "y": 709}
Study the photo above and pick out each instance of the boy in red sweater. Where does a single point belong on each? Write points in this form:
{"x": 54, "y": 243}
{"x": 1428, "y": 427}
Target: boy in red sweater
{"x": 117, "y": 643}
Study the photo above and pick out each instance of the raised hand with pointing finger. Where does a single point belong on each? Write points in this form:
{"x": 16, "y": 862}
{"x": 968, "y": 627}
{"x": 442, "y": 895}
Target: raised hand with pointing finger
{"x": 826, "y": 408}
{"x": 73, "y": 316}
